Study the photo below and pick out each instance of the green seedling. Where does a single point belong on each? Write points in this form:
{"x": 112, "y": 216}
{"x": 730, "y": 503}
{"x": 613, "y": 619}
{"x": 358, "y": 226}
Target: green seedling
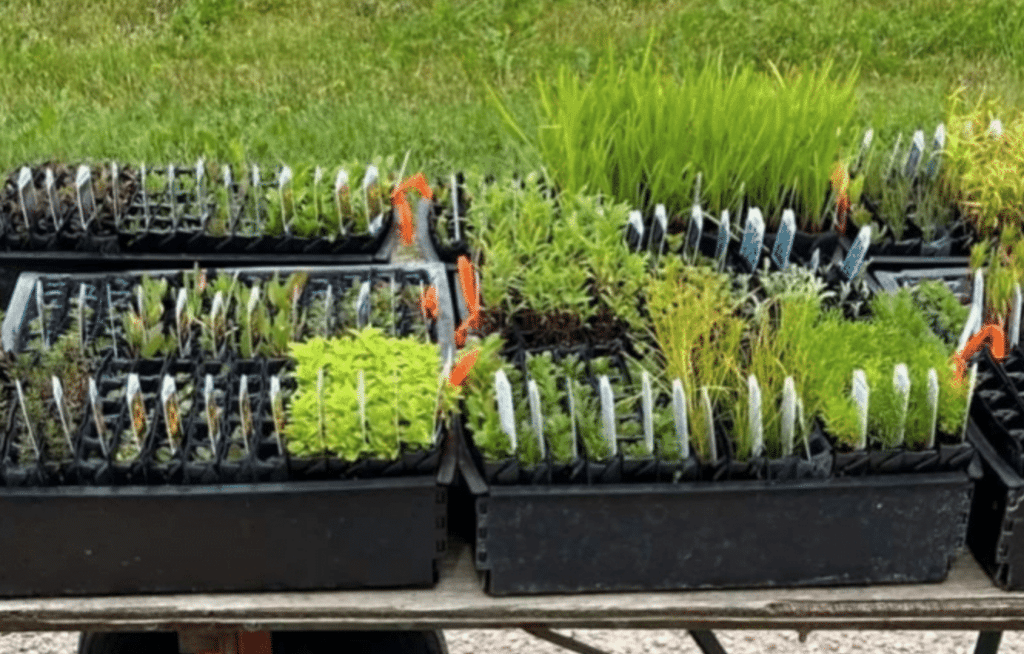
{"x": 144, "y": 331}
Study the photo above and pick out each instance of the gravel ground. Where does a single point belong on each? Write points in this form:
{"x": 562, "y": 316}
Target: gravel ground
{"x": 622, "y": 641}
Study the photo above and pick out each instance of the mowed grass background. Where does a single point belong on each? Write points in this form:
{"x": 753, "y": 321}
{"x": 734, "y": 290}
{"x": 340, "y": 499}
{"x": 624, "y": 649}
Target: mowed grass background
{"x": 327, "y": 81}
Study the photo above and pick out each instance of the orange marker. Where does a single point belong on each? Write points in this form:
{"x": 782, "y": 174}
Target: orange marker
{"x": 418, "y": 183}
{"x": 462, "y": 368}
{"x": 467, "y": 280}
{"x": 991, "y": 333}
{"x": 428, "y": 302}
{"x": 841, "y": 182}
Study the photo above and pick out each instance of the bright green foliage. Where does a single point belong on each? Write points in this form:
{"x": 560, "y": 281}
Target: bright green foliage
{"x": 480, "y": 400}
{"x": 556, "y": 257}
{"x": 627, "y": 130}
{"x": 401, "y": 382}
{"x": 145, "y": 331}
{"x": 1003, "y": 263}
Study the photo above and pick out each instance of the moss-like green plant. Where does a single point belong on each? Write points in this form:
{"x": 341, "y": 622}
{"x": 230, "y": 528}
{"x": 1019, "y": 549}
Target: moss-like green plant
{"x": 945, "y": 311}
{"x": 400, "y": 381}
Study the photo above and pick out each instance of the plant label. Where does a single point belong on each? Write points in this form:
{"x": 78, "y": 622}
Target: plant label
{"x": 172, "y": 195}
{"x": 679, "y": 417}
{"x": 974, "y": 317}
{"x": 695, "y": 230}
{"x": 1015, "y": 316}
{"x": 41, "y": 310}
{"x": 536, "y": 417}
{"x": 506, "y": 412}
{"x": 756, "y": 428}
{"x": 97, "y": 416}
{"x": 172, "y": 413}
{"x": 709, "y": 423}
{"x": 361, "y": 398}
{"x": 608, "y": 414}
{"x": 328, "y": 310}
{"x": 784, "y": 239}
{"x": 636, "y": 228}
{"x": 84, "y": 195}
{"x": 865, "y": 146}
{"x": 788, "y": 418}
{"x": 81, "y": 318}
{"x": 181, "y": 318}
{"x": 861, "y": 395}
{"x": 341, "y": 198}
{"x": 51, "y": 198}
{"x": 277, "y": 411}
{"x": 647, "y": 404}
{"x": 995, "y": 128}
{"x": 24, "y": 415}
{"x": 938, "y": 147}
{"x": 374, "y": 210}
{"x": 661, "y": 218}
{"x": 895, "y": 152}
{"x": 363, "y": 305}
{"x": 145, "y": 196}
{"x": 318, "y": 177}
{"x": 115, "y": 194}
{"x": 229, "y": 185}
{"x": 753, "y": 237}
{"x": 58, "y": 400}
{"x": 696, "y": 188}
{"x": 914, "y": 156}
{"x": 933, "y": 405}
{"x": 284, "y": 180}
{"x": 245, "y": 407}
{"x": 815, "y": 260}
{"x": 218, "y": 324}
{"x": 722, "y": 246}
{"x": 572, "y": 414}
{"x": 858, "y": 249}
{"x": 200, "y": 174}
{"x": 26, "y": 194}
{"x": 136, "y": 409}
{"x": 901, "y": 387}
{"x": 254, "y": 301}
{"x": 456, "y": 216}
{"x": 256, "y": 176}
{"x": 212, "y": 413}
{"x": 972, "y": 380}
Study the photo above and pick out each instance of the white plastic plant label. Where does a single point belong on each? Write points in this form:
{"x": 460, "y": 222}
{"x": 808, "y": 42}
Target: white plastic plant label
{"x": 97, "y": 415}
{"x": 284, "y": 179}
{"x": 858, "y": 249}
{"x": 753, "y": 237}
{"x": 245, "y": 406}
{"x": 933, "y": 405}
{"x": 815, "y": 260}
{"x": 995, "y": 128}
{"x": 506, "y": 412}
{"x": 41, "y": 310}
{"x": 254, "y": 301}
{"x": 914, "y": 156}
{"x": 212, "y": 412}
{"x": 456, "y": 217}
{"x": 722, "y": 245}
{"x": 26, "y": 194}
{"x": 861, "y": 396}
{"x": 218, "y": 317}
{"x": 901, "y": 386}
{"x": 341, "y": 198}
{"x": 608, "y": 414}
{"x": 51, "y": 195}
{"x": 200, "y": 175}
{"x": 371, "y": 176}
{"x": 784, "y": 239}
{"x": 181, "y": 318}
{"x": 938, "y": 147}
{"x": 647, "y": 405}
{"x": 695, "y": 230}
{"x": 81, "y": 318}
{"x": 83, "y": 193}
{"x": 679, "y": 417}
{"x": 709, "y": 421}
{"x": 974, "y": 317}
{"x": 277, "y": 412}
{"x": 1015, "y": 316}
{"x": 972, "y": 380}
{"x": 172, "y": 194}
{"x": 115, "y": 193}
{"x": 636, "y": 222}
{"x": 661, "y": 218}
{"x": 754, "y": 408}
{"x": 24, "y": 415}
{"x": 229, "y": 185}
{"x": 536, "y": 417}
{"x": 318, "y": 178}
{"x": 137, "y": 409}
{"x": 788, "y": 417}
{"x": 172, "y": 413}
{"x": 58, "y": 400}
{"x": 256, "y": 180}
{"x": 572, "y": 414}
{"x": 865, "y": 146}
{"x": 363, "y": 305}
{"x": 895, "y": 151}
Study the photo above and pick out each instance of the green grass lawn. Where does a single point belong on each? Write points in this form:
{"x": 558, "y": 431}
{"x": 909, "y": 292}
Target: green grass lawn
{"x": 326, "y": 81}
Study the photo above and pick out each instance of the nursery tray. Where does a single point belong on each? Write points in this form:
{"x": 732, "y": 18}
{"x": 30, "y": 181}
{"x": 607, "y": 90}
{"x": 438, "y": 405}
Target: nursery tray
{"x": 844, "y": 531}
{"x": 129, "y": 540}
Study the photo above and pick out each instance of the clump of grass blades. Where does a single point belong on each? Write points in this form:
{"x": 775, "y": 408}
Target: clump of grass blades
{"x": 642, "y": 135}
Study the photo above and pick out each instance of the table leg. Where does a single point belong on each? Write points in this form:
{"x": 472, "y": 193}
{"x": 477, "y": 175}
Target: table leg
{"x": 707, "y": 641}
{"x": 988, "y": 642}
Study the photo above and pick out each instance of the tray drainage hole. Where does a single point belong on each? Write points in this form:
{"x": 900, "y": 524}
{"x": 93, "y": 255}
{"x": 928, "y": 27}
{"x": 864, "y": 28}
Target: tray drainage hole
{"x": 481, "y": 557}
{"x": 440, "y": 522}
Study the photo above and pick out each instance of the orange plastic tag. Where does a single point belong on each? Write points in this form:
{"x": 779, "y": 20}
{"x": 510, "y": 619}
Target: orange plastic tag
{"x": 428, "y": 303}
{"x": 418, "y": 183}
{"x": 841, "y": 183}
{"x": 991, "y": 333}
{"x": 462, "y": 368}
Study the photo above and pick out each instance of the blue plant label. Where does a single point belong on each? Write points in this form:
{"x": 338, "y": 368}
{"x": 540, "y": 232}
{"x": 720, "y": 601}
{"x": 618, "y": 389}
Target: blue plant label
{"x": 647, "y": 405}
{"x": 572, "y": 414}
{"x": 815, "y": 260}
{"x": 536, "y": 417}
{"x": 861, "y": 396}
{"x": 754, "y": 408}
{"x": 933, "y": 405}
{"x": 753, "y": 237}
{"x": 972, "y": 380}
{"x": 995, "y": 128}
{"x": 1015, "y": 316}
{"x": 788, "y": 417}
{"x": 901, "y": 387}
{"x": 97, "y": 416}
{"x": 679, "y": 417}
{"x": 363, "y": 305}
{"x": 709, "y": 423}
{"x": 784, "y": 239}
{"x": 938, "y": 147}
{"x": 661, "y": 218}
{"x": 506, "y": 412}
{"x": 858, "y": 249}
{"x": 722, "y": 246}
{"x": 608, "y": 414}
{"x": 695, "y": 230}
{"x": 636, "y": 224}
{"x": 24, "y": 414}
{"x": 58, "y": 401}
{"x": 914, "y": 156}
